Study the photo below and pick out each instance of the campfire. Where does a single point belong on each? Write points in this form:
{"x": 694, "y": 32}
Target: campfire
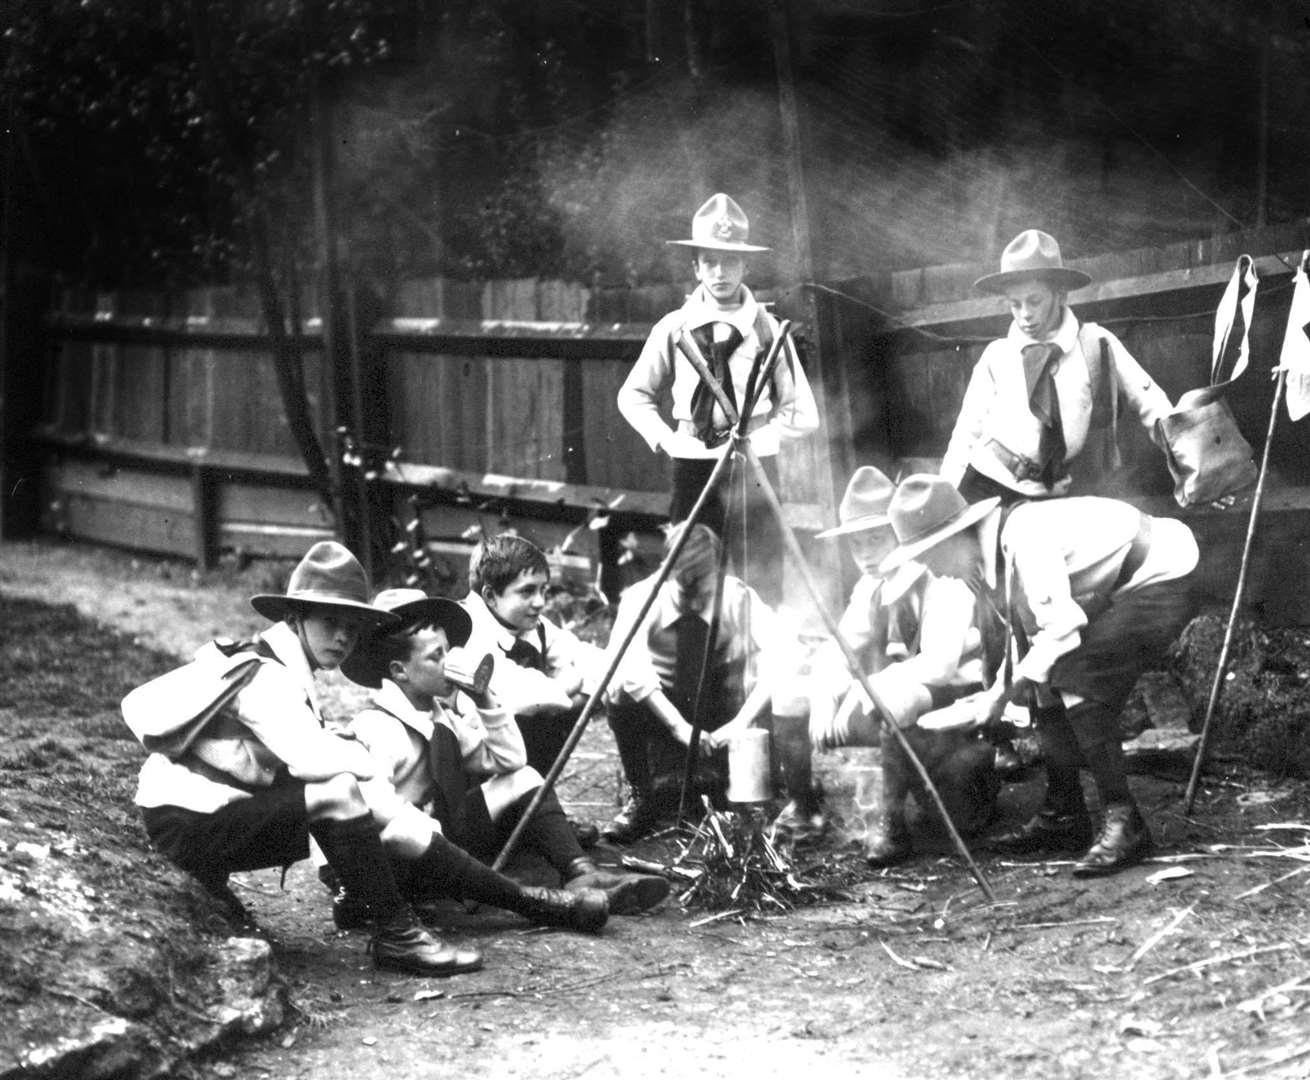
{"x": 729, "y": 864}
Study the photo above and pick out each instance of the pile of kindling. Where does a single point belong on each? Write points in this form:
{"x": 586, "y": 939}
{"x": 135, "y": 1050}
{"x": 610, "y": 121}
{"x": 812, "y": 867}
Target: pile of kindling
{"x": 728, "y": 864}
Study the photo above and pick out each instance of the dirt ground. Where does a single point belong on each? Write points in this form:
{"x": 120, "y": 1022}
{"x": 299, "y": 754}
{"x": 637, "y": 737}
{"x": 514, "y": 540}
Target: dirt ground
{"x": 1194, "y": 964}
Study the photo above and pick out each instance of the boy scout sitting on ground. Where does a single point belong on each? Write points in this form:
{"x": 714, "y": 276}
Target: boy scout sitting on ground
{"x": 928, "y": 641}
{"x": 543, "y": 673}
{"x": 451, "y": 749}
{"x": 651, "y": 700}
{"x": 253, "y": 788}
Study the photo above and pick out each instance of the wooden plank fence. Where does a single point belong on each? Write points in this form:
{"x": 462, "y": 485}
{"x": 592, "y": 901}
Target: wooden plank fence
{"x": 163, "y": 426}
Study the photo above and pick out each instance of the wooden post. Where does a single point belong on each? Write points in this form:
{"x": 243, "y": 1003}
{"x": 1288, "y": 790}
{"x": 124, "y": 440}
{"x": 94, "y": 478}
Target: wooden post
{"x": 204, "y": 522}
{"x": 831, "y": 441}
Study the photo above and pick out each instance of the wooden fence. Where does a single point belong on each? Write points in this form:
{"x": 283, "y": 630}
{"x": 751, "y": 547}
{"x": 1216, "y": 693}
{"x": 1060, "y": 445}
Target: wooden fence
{"x": 164, "y": 429}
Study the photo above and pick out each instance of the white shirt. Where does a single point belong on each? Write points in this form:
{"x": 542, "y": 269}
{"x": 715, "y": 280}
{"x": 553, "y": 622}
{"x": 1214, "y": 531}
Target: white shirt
{"x": 995, "y": 404}
{"x": 784, "y": 410}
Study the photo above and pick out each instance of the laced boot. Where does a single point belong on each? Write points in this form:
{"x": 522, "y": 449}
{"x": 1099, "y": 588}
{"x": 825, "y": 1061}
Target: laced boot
{"x": 628, "y": 894}
{"x": 638, "y": 818}
{"x": 401, "y": 943}
{"x": 1124, "y": 841}
{"x": 582, "y": 909}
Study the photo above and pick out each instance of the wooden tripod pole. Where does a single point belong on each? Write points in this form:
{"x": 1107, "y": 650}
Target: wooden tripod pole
{"x": 857, "y": 670}
{"x": 616, "y": 657}
{"x": 754, "y": 387}
{"x": 1221, "y": 669}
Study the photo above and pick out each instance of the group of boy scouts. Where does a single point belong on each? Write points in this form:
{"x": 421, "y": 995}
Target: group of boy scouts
{"x": 1001, "y": 586}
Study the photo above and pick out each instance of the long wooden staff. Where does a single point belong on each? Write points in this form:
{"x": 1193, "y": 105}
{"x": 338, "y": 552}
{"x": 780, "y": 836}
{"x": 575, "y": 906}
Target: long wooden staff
{"x": 1221, "y": 669}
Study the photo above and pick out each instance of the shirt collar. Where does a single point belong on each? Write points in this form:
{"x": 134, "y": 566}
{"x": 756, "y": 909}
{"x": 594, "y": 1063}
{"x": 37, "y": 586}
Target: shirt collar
{"x": 486, "y": 619}
{"x": 285, "y": 643}
{"x": 667, "y": 611}
{"x": 701, "y": 309}
{"x": 1066, "y": 337}
{"x": 391, "y": 698}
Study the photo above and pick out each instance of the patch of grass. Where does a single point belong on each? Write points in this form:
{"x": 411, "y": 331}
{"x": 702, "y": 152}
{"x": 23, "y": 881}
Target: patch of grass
{"x": 56, "y": 663}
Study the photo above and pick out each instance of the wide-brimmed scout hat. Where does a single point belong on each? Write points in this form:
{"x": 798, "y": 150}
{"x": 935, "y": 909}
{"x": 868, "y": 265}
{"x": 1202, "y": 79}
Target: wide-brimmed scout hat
{"x": 367, "y": 666}
{"x": 719, "y": 225}
{"x": 925, "y": 510}
{"x": 1032, "y": 254}
{"x": 864, "y": 506}
{"x": 328, "y": 576}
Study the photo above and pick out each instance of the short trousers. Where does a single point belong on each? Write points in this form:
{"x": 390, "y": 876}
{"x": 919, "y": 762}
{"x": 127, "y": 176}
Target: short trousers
{"x": 270, "y": 828}
{"x": 1129, "y": 637}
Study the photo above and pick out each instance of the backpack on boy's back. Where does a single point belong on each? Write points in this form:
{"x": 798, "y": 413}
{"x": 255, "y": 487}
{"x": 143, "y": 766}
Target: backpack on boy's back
{"x": 168, "y": 713}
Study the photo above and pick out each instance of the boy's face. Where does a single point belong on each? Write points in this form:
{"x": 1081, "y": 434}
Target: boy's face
{"x": 870, "y": 546}
{"x": 1037, "y": 308}
{"x": 520, "y": 604}
{"x": 721, "y": 273}
{"x": 327, "y": 636}
{"x": 693, "y": 584}
{"x": 423, "y": 675}
{"x": 958, "y": 556}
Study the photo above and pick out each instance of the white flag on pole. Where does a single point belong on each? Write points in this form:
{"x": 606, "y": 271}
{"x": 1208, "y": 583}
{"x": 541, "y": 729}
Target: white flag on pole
{"x": 1295, "y": 357}
{"x": 1232, "y": 323}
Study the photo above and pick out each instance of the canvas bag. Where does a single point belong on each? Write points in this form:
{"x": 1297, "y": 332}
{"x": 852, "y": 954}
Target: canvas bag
{"x": 1207, "y": 455}
{"x": 170, "y": 711}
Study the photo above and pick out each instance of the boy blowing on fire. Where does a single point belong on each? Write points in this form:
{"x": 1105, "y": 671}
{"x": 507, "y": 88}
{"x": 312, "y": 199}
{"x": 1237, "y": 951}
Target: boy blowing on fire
{"x": 722, "y": 323}
{"x": 925, "y": 641}
{"x": 1096, "y": 592}
{"x": 652, "y": 700}
{"x": 437, "y": 733}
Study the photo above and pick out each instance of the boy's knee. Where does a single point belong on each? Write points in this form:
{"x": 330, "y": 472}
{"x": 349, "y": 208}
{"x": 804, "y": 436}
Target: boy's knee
{"x": 337, "y": 797}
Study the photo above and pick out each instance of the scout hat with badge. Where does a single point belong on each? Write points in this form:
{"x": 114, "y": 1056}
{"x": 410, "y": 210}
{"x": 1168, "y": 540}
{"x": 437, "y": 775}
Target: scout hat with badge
{"x": 925, "y": 510}
{"x": 864, "y": 506}
{"x": 328, "y": 576}
{"x": 1032, "y": 254}
{"x": 720, "y": 225}
{"x": 409, "y": 608}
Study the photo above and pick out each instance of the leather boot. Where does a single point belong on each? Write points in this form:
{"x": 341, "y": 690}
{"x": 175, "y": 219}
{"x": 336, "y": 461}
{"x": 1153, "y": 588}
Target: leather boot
{"x": 1124, "y": 841}
{"x": 638, "y": 817}
{"x": 628, "y": 894}
{"x": 583, "y": 909}
{"x": 355, "y": 853}
{"x": 401, "y": 943}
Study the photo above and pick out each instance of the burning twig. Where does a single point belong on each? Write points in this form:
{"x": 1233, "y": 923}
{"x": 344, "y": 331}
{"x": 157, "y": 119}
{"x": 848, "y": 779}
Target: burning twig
{"x": 731, "y": 867}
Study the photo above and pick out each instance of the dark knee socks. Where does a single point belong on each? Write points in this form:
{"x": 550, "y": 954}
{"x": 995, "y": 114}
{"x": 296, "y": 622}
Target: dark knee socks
{"x": 354, "y": 851}
{"x": 548, "y": 833}
{"x": 1062, "y": 758}
{"x": 1093, "y": 725}
{"x": 447, "y": 869}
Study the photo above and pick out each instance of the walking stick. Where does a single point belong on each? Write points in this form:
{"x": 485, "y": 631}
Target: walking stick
{"x": 1222, "y": 668}
{"x": 580, "y": 725}
{"x": 856, "y": 669}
